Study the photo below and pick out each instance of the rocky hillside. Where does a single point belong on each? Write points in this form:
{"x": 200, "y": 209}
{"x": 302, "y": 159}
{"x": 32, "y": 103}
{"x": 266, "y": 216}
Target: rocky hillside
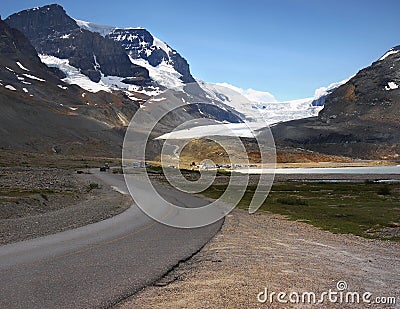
{"x": 39, "y": 112}
{"x": 360, "y": 119}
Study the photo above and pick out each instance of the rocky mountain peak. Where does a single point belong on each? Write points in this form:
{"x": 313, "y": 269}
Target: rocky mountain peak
{"x": 54, "y": 33}
{"x": 38, "y": 23}
{"x": 373, "y": 93}
{"x": 141, "y": 44}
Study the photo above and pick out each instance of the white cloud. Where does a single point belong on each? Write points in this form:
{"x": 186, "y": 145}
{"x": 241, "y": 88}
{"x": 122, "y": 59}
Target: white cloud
{"x": 251, "y": 94}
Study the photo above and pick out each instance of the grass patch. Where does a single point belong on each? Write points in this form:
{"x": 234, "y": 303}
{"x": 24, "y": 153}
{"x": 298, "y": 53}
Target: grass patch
{"x": 291, "y": 201}
{"x": 384, "y": 190}
{"x": 355, "y": 208}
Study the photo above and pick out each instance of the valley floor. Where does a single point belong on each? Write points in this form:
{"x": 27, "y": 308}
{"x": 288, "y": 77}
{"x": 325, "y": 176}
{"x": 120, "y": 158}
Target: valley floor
{"x": 254, "y": 252}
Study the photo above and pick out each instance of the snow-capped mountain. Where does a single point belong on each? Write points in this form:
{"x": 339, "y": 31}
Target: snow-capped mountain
{"x": 165, "y": 65}
{"x": 99, "y": 57}
{"x": 131, "y": 59}
{"x": 262, "y": 109}
{"x": 41, "y": 113}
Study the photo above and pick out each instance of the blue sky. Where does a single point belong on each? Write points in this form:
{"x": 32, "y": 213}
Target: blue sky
{"x": 286, "y": 47}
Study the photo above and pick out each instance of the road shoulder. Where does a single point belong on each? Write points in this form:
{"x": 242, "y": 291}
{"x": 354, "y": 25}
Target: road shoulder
{"x": 253, "y": 252}
{"x": 87, "y": 201}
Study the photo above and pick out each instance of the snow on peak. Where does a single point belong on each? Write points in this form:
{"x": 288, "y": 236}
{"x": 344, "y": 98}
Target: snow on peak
{"x": 164, "y": 73}
{"x": 92, "y": 27}
{"x": 391, "y": 51}
{"x": 103, "y": 30}
{"x": 323, "y": 91}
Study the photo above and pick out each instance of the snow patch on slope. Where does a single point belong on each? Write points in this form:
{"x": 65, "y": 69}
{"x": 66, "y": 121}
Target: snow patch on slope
{"x": 164, "y": 74}
{"x": 391, "y": 86}
{"x": 9, "y": 87}
{"x": 160, "y": 44}
{"x": 33, "y": 77}
{"x": 21, "y": 66}
{"x": 107, "y": 83}
{"x": 74, "y": 76}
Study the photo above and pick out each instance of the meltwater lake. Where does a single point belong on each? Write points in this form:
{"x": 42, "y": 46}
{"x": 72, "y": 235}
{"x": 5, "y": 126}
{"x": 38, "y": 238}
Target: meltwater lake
{"x": 381, "y": 170}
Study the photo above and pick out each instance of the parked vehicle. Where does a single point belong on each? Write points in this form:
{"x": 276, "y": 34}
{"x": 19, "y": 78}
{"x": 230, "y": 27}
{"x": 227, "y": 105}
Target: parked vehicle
{"x": 105, "y": 168}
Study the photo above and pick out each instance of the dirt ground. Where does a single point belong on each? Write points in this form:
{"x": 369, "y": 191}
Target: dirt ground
{"x": 254, "y": 252}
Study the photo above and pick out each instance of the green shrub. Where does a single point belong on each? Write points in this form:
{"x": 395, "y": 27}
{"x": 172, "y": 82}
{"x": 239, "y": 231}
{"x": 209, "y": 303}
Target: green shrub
{"x": 291, "y": 201}
{"x": 384, "y": 190}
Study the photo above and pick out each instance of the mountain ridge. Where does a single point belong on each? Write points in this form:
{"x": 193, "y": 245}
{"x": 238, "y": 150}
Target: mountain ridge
{"x": 360, "y": 119}
{"x": 53, "y": 32}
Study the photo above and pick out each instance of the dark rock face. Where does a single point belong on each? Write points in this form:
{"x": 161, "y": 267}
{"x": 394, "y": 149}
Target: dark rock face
{"x": 180, "y": 64}
{"x": 360, "y": 119}
{"x": 39, "y": 23}
{"x": 53, "y": 32}
{"x": 13, "y": 44}
{"x": 140, "y": 44}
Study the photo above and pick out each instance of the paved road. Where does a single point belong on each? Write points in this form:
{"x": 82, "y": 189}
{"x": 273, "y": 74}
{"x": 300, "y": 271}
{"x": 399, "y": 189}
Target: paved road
{"x": 99, "y": 264}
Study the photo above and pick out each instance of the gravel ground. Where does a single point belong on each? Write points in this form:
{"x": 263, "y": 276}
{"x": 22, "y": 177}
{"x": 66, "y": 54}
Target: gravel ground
{"x": 254, "y": 252}
{"x": 30, "y": 213}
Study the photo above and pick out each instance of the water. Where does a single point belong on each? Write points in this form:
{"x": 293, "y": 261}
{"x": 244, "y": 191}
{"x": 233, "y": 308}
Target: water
{"x": 381, "y": 170}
